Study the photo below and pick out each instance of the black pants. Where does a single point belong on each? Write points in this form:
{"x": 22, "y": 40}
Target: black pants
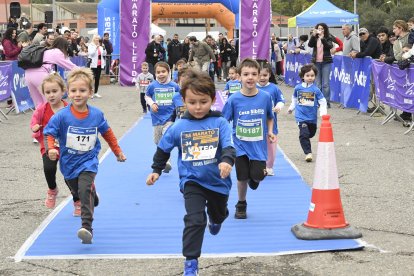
{"x": 97, "y": 75}
{"x": 250, "y": 169}
{"x": 197, "y": 198}
{"x": 306, "y": 131}
{"x": 83, "y": 188}
{"x": 143, "y": 102}
{"x": 50, "y": 168}
{"x": 108, "y": 61}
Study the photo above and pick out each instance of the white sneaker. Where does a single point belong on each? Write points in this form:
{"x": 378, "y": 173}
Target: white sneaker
{"x": 270, "y": 172}
{"x": 35, "y": 141}
{"x": 97, "y": 95}
{"x": 308, "y": 157}
{"x": 85, "y": 235}
{"x": 168, "y": 167}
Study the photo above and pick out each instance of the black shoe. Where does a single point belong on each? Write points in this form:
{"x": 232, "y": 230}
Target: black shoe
{"x": 253, "y": 184}
{"x": 241, "y": 210}
{"x": 96, "y": 201}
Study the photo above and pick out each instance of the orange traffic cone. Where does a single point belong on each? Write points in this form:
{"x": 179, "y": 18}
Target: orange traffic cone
{"x": 326, "y": 219}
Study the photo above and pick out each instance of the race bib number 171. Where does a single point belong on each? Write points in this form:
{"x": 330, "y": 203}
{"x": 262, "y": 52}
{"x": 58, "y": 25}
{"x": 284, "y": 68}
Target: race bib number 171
{"x": 81, "y": 139}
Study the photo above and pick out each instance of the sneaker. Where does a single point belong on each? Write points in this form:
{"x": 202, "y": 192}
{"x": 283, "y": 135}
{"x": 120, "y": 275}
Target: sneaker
{"x": 191, "y": 268}
{"x": 308, "y": 157}
{"x": 97, "y": 95}
{"x": 270, "y": 172}
{"x": 77, "y": 208}
{"x": 167, "y": 168}
{"x": 253, "y": 184}
{"x": 85, "y": 235}
{"x": 35, "y": 141}
{"x": 50, "y": 201}
{"x": 214, "y": 228}
{"x": 241, "y": 210}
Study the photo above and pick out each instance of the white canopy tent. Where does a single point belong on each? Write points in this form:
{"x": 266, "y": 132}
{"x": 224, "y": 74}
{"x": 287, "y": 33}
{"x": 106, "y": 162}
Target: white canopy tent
{"x": 155, "y": 30}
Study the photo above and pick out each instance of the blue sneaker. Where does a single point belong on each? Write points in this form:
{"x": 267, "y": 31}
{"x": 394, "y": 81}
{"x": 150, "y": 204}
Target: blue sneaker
{"x": 213, "y": 228}
{"x": 191, "y": 268}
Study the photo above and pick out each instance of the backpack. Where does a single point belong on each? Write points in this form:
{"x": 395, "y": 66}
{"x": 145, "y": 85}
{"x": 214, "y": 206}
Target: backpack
{"x": 31, "y": 57}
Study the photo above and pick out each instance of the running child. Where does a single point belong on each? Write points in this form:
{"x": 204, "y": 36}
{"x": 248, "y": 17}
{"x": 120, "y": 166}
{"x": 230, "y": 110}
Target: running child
{"x": 278, "y": 102}
{"x": 53, "y": 88}
{"x": 180, "y": 63}
{"x": 159, "y": 97}
{"x": 179, "y": 106}
{"x": 252, "y": 116}
{"x": 142, "y": 81}
{"x": 205, "y": 172}
{"x": 234, "y": 84}
{"x": 305, "y": 99}
{"x": 76, "y": 128}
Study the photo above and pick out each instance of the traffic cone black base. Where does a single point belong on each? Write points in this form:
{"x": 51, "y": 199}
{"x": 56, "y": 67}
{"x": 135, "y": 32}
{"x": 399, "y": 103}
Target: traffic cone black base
{"x": 306, "y": 233}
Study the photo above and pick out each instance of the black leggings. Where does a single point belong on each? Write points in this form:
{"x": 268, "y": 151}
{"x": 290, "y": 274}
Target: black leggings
{"x": 50, "y": 168}
{"x": 97, "y": 75}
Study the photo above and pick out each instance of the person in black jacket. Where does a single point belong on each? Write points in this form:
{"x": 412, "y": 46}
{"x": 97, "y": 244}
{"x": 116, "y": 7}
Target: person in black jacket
{"x": 370, "y": 45}
{"x": 153, "y": 52}
{"x": 109, "y": 50}
{"x": 186, "y": 48}
{"x": 225, "y": 52}
{"x": 175, "y": 51}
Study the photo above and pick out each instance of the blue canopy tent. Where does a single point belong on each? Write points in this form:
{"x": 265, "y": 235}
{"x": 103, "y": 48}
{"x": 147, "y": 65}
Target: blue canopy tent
{"x": 323, "y": 11}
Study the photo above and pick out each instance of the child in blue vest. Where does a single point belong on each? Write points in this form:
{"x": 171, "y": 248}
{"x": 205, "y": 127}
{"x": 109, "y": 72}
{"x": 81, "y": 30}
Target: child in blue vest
{"x": 252, "y": 116}
{"x": 234, "y": 84}
{"x": 205, "y": 159}
{"x": 159, "y": 97}
{"x": 305, "y": 101}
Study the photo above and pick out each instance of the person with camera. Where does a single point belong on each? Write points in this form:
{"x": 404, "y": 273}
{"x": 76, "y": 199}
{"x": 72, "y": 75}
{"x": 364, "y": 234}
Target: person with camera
{"x": 97, "y": 52}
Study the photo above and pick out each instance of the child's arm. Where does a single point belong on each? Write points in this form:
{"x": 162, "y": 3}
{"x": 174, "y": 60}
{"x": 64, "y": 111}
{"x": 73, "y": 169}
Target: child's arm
{"x": 270, "y": 134}
{"x": 228, "y": 155}
{"x": 278, "y": 107}
{"x": 110, "y": 138}
{"x": 150, "y": 102}
{"x": 52, "y": 152}
{"x": 35, "y": 123}
{"x": 323, "y": 110}
{"x": 293, "y": 104}
{"x": 159, "y": 161}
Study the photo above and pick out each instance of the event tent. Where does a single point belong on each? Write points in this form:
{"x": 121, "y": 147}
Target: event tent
{"x": 323, "y": 11}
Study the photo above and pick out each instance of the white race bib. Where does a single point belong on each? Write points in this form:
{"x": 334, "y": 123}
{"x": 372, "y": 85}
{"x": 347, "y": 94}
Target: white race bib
{"x": 81, "y": 139}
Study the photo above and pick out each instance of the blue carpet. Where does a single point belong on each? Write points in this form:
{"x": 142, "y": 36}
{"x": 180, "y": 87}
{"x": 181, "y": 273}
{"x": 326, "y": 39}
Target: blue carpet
{"x": 136, "y": 220}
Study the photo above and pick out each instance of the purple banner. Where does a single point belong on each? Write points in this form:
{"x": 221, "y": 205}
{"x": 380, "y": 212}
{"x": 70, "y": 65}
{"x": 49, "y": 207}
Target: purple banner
{"x": 5, "y": 80}
{"x": 394, "y": 87}
{"x": 135, "y": 33}
{"x": 220, "y": 101}
{"x": 255, "y": 29}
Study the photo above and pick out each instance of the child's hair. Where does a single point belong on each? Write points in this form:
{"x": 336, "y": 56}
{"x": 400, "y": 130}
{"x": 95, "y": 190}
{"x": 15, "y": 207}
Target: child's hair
{"x": 307, "y": 68}
{"x": 411, "y": 20}
{"x": 248, "y": 62}
{"x": 408, "y": 45}
{"x": 84, "y": 74}
{"x": 180, "y": 61}
{"x": 182, "y": 72}
{"x": 56, "y": 78}
{"x": 233, "y": 68}
{"x": 162, "y": 64}
{"x": 199, "y": 83}
{"x": 144, "y": 64}
{"x": 266, "y": 66}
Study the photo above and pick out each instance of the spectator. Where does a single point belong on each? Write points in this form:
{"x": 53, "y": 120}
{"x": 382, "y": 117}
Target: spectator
{"x": 408, "y": 52}
{"x": 24, "y": 37}
{"x": 175, "y": 51}
{"x": 321, "y": 42}
{"x": 23, "y": 21}
{"x": 11, "y": 48}
{"x": 201, "y": 53}
{"x": 49, "y": 39}
{"x": 153, "y": 53}
{"x": 303, "y": 47}
{"x": 186, "y": 48}
{"x": 400, "y": 29}
{"x": 12, "y": 23}
{"x": 109, "y": 50}
{"x": 291, "y": 44}
{"x": 73, "y": 43}
{"x": 351, "y": 41}
{"x": 387, "y": 54}
{"x": 234, "y": 54}
{"x": 410, "y": 23}
{"x": 97, "y": 53}
{"x": 225, "y": 53}
{"x": 39, "y": 38}
{"x": 370, "y": 45}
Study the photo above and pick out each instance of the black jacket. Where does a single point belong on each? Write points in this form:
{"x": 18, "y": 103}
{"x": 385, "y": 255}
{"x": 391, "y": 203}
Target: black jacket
{"x": 175, "y": 51}
{"x": 370, "y": 48}
{"x": 327, "y": 43}
{"x": 152, "y": 48}
{"x": 108, "y": 47}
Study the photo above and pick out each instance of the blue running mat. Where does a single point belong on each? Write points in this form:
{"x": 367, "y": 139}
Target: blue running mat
{"x": 134, "y": 220}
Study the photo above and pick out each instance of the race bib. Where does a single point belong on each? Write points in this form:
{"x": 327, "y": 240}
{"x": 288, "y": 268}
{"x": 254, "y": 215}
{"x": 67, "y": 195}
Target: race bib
{"x": 249, "y": 130}
{"x": 144, "y": 83}
{"x": 306, "y": 98}
{"x": 164, "y": 96}
{"x": 199, "y": 145}
{"x": 234, "y": 88}
{"x": 180, "y": 111}
{"x": 81, "y": 139}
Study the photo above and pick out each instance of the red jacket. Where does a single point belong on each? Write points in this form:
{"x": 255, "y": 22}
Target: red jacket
{"x": 10, "y": 50}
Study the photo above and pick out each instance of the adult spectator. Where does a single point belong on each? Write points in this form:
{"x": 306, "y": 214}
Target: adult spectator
{"x": 351, "y": 40}
{"x": 186, "y": 48}
{"x": 50, "y": 37}
{"x": 109, "y": 50}
{"x": 40, "y": 35}
{"x": 83, "y": 48}
{"x": 23, "y": 21}
{"x": 11, "y": 48}
{"x": 57, "y": 54}
{"x": 201, "y": 53}
{"x": 321, "y": 42}
{"x": 303, "y": 47}
{"x": 370, "y": 45}
{"x": 387, "y": 54}
{"x": 291, "y": 44}
{"x": 12, "y": 23}
{"x": 153, "y": 53}
{"x": 234, "y": 54}
{"x": 73, "y": 43}
{"x": 338, "y": 46}
{"x": 400, "y": 29}
{"x": 279, "y": 61}
{"x": 24, "y": 37}
{"x": 175, "y": 51}
{"x": 96, "y": 52}
{"x": 225, "y": 52}
{"x": 215, "y": 66}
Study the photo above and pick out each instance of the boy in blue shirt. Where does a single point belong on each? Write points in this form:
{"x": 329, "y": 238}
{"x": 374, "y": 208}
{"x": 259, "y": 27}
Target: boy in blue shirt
{"x": 305, "y": 99}
{"x": 252, "y": 116}
{"x": 205, "y": 159}
{"x": 234, "y": 84}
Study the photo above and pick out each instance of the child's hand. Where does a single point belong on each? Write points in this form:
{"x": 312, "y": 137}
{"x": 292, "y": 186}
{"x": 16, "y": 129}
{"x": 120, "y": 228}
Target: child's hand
{"x": 152, "y": 178}
{"x": 272, "y": 137}
{"x": 276, "y": 109}
{"x": 36, "y": 127}
{"x": 225, "y": 169}
{"x": 121, "y": 157}
{"x": 53, "y": 154}
{"x": 290, "y": 111}
{"x": 154, "y": 107}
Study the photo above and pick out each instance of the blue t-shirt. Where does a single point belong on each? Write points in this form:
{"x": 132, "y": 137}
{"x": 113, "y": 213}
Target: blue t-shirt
{"x": 162, "y": 95}
{"x": 200, "y": 144}
{"x": 179, "y": 107}
{"x": 277, "y": 97}
{"x": 306, "y": 109}
{"x": 233, "y": 86}
{"x": 78, "y": 140}
{"x": 249, "y": 116}
{"x": 175, "y": 76}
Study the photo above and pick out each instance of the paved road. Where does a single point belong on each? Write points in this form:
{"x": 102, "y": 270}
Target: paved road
{"x": 376, "y": 177}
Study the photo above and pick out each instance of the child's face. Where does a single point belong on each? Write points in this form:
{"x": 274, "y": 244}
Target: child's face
{"x": 162, "y": 74}
{"x": 144, "y": 69}
{"x": 198, "y": 105}
{"x": 179, "y": 66}
{"x": 405, "y": 49}
{"x": 232, "y": 74}
{"x": 264, "y": 77}
{"x": 410, "y": 25}
{"x": 79, "y": 92}
{"x": 249, "y": 77}
{"x": 53, "y": 93}
{"x": 309, "y": 77}
{"x": 181, "y": 81}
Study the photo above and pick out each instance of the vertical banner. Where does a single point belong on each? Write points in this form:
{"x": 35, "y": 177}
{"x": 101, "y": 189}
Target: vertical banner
{"x": 255, "y": 29}
{"x": 108, "y": 22}
{"x": 5, "y": 80}
{"x": 135, "y": 32}
{"x": 394, "y": 87}
{"x": 293, "y": 64}
{"x": 20, "y": 92}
